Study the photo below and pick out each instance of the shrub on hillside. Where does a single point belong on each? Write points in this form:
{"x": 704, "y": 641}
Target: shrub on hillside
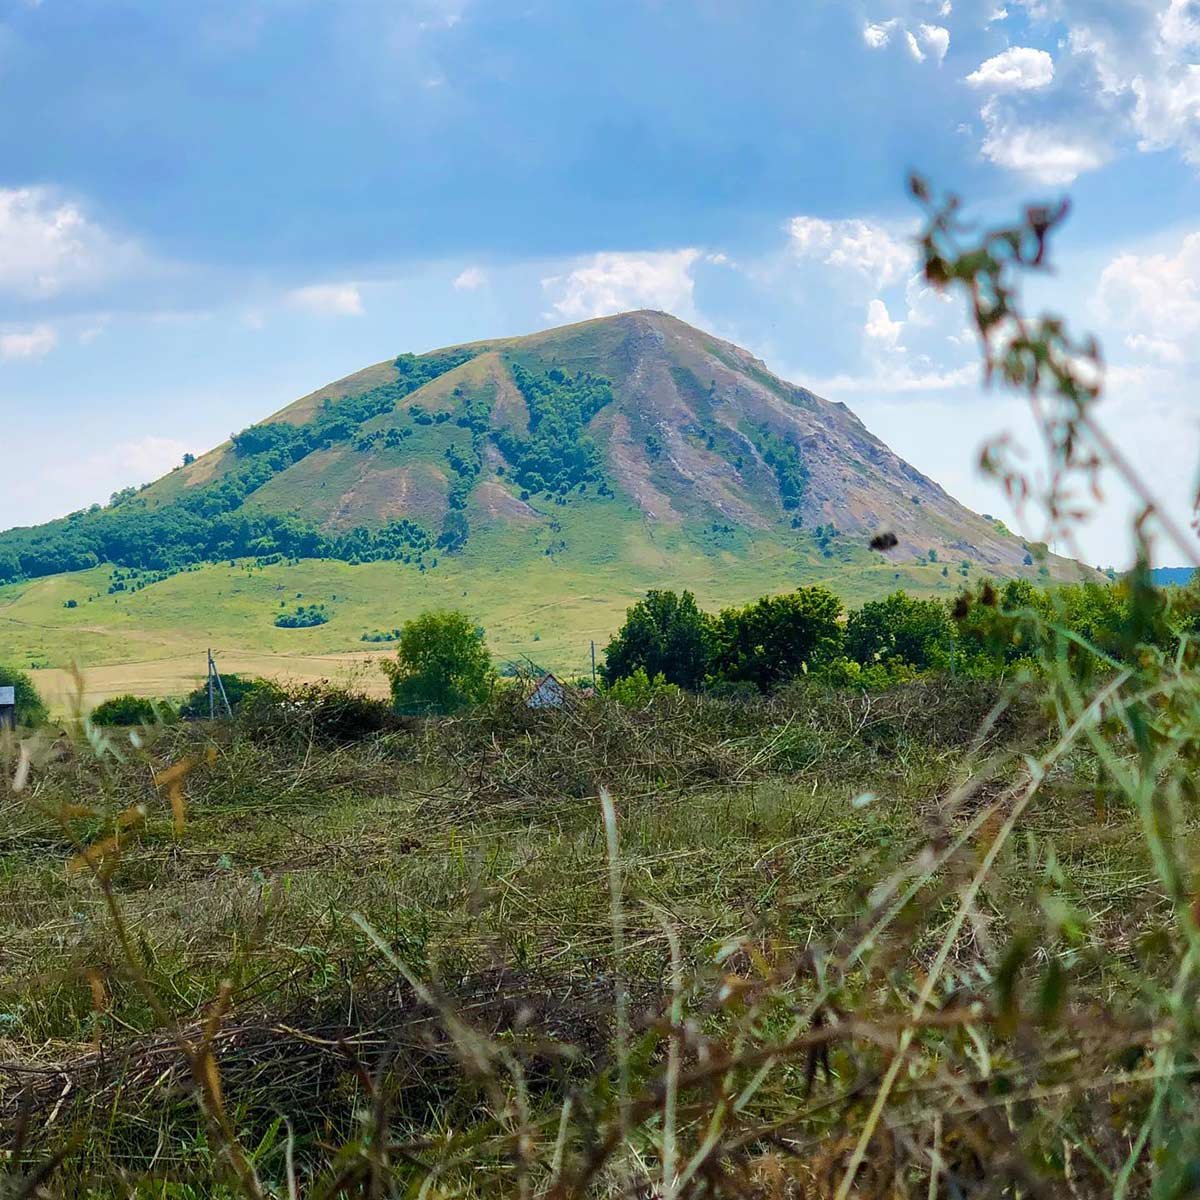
{"x": 442, "y": 665}
{"x": 31, "y": 710}
{"x": 132, "y": 710}
{"x": 303, "y": 616}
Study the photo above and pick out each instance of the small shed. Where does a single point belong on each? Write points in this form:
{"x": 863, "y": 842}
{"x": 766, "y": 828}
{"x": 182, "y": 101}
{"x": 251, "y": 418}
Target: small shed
{"x": 548, "y": 692}
{"x": 8, "y": 708}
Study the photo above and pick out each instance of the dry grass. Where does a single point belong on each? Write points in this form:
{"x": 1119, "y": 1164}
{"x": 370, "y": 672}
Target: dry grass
{"x": 397, "y": 953}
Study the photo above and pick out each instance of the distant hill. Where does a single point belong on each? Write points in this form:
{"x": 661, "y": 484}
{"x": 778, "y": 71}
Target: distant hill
{"x": 541, "y": 483}
{"x": 638, "y": 416}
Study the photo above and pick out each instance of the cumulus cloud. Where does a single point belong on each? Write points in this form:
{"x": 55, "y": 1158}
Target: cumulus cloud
{"x": 35, "y": 342}
{"x": 328, "y": 299}
{"x": 1019, "y": 68}
{"x": 880, "y": 327}
{"x": 614, "y": 282}
{"x": 856, "y": 245}
{"x": 877, "y": 34}
{"x": 1048, "y": 152}
{"x": 1153, "y": 300}
{"x": 48, "y": 245}
{"x": 470, "y": 279}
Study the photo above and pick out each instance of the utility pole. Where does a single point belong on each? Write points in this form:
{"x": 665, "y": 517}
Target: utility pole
{"x": 215, "y": 684}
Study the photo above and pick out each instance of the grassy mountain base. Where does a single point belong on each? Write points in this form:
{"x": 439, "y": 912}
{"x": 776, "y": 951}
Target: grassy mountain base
{"x": 538, "y": 607}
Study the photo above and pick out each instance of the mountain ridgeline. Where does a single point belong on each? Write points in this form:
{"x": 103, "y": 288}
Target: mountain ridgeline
{"x": 635, "y": 421}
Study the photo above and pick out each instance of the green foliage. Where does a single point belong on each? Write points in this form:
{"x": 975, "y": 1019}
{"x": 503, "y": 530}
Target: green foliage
{"x": 442, "y": 665}
{"x": 639, "y": 689}
{"x": 665, "y": 634}
{"x": 303, "y": 616}
{"x": 778, "y": 637}
{"x": 902, "y": 629}
{"x": 132, "y": 710}
{"x": 783, "y": 456}
{"x": 30, "y": 708}
{"x": 240, "y": 690}
{"x": 557, "y": 454}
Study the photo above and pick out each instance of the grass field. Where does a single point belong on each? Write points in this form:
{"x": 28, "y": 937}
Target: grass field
{"x": 806, "y": 864}
{"x": 538, "y": 607}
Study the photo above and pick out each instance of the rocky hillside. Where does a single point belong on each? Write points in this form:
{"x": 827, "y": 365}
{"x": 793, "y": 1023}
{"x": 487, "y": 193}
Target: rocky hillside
{"x": 634, "y": 418}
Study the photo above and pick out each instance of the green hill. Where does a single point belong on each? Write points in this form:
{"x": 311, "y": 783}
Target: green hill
{"x": 557, "y": 474}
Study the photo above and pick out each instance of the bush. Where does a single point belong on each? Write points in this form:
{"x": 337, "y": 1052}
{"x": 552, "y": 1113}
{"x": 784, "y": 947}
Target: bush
{"x": 132, "y": 710}
{"x": 303, "y": 616}
{"x": 240, "y": 689}
{"x": 442, "y": 665}
{"x": 327, "y": 713}
{"x": 638, "y": 690}
{"x": 30, "y": 708}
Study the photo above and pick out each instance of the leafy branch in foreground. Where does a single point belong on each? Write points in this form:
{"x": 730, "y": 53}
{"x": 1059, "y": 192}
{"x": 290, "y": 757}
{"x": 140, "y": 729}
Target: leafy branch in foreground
{"x": 1060, "y": 374}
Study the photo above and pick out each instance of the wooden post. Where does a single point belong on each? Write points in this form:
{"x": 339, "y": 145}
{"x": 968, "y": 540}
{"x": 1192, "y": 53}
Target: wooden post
{"x": 593, "y": 666}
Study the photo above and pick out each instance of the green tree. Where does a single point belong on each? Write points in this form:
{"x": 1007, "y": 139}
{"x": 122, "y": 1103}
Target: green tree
{"x": 778, "y": 637}
{"x": 664, "y": 634}
{"x": 30, "y": 708}
{"x": 901, "y": 628}
{"x": 442, "y": 665}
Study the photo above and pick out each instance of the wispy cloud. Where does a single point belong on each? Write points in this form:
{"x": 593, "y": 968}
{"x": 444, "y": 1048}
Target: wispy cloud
{"x": 328, "y": 299}
{"x": 35, "y": 342}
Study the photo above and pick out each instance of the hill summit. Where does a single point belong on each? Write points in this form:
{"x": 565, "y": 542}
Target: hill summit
{"x": 588, "y": 440}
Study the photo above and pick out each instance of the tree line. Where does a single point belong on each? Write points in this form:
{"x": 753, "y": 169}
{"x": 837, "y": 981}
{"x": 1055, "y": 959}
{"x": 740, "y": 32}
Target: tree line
{"x": 985, "y": 632}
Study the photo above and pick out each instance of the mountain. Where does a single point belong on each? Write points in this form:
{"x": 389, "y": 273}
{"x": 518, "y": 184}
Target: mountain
{"x": 579, "y": 464}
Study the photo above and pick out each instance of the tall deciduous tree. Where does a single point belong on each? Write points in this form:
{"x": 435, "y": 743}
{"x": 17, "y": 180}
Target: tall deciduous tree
{"x": 442, "y": 665}
{"x": 665, "y": 634}
{"x": 778, "y": 637}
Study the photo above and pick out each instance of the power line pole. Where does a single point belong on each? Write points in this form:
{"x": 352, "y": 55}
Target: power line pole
{"x": 215, "y": 684}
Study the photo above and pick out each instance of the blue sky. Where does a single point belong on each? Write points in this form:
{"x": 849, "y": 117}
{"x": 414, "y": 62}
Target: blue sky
{"x": 208, "y": 210}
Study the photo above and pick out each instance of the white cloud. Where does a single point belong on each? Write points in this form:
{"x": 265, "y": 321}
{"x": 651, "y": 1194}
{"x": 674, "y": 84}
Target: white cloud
{"x": 857, "y": 245}
{"x": 1019, "y": 68}
{"x": 1048, "y": 153}
{"x": 1153, "y": 300}
{"x": 328, "y": 299}
{"x": 878, "y": 34}
{"x": 144, "y": 459}
{"x": 614, "y": 282}
{"x": 470, "y": 278}
{"x": 934, "y": 38}
{"x": 36, "y": 342}
{"x": 48, "y": 245}
{"x": 880, "y": 327}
